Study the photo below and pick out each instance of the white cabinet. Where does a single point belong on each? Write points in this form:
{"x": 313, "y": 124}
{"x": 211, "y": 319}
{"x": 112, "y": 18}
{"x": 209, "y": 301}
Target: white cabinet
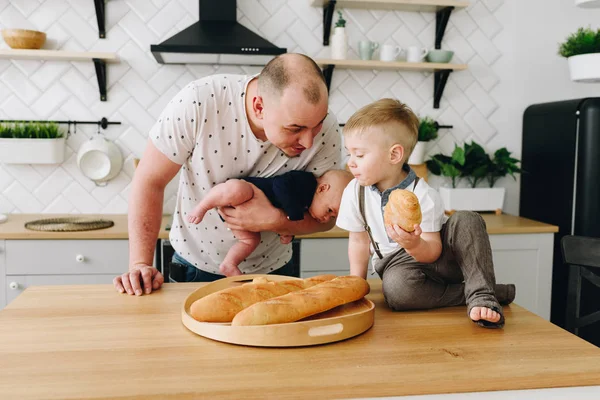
{"x": 522, "y": 259}
{"x": 24, "y": 263}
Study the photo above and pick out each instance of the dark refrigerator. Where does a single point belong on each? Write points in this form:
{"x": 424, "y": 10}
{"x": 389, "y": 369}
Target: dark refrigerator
{"x": 560, "y": 185}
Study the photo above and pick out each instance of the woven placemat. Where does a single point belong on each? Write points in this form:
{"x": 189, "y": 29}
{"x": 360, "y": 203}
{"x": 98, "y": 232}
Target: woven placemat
{"x": 68, "y": 224}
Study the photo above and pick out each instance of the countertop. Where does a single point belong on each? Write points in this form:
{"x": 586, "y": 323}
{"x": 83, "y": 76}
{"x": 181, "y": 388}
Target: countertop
{"x": 14, "y": 228}
{"x": 88, "y": 341}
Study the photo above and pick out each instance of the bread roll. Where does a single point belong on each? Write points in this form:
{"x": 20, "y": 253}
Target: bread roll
{"x": 304, "y": 303}
{"x": 402, "y": 209}
{"x": 223, "y": 305}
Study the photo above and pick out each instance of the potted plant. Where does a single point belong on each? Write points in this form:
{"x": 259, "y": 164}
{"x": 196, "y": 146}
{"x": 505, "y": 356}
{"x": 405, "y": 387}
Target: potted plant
{"x": 339, "y": 41}
{"x": 582, "y": 51}
{"x": 474, "y": 165}
{"x": 31, "y": 143}
{"x": 428, "y": 130}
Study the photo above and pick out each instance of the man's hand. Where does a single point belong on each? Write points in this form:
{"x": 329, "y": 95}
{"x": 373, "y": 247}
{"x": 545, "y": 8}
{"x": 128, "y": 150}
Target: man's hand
{"x": 131, "y": 282}
{"x": 408, "y": 240}
{"x": 255, "y": 215}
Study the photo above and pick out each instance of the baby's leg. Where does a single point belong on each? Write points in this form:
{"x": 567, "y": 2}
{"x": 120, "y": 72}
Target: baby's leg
{"x": 230, "y": 193}
{"x": 246, "y": 243}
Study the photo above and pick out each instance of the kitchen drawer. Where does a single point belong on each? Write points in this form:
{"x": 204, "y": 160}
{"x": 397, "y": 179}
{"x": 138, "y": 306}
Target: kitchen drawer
{"x": 324, "y": 255}
{"x": 16, "y": 284}
{"x": 69, "y": 257}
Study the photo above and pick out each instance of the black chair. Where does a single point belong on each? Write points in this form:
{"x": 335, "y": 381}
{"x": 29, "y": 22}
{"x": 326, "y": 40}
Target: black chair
{"x": 582, "y": 255}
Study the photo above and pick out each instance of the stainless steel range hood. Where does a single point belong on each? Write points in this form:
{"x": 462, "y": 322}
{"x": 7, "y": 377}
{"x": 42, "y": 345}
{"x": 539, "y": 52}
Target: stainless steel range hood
{"x": 217, "y": 38}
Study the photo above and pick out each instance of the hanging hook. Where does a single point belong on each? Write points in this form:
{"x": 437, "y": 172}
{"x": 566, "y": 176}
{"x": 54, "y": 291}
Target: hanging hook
{"x": 74, "y": 127}
{"x": 68, "y": 129}
{"x": 104, "y": 122}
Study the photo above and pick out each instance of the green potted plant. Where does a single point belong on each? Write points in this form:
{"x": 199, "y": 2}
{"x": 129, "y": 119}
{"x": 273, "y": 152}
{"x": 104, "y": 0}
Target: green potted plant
{"x": 473, "y": 164}
{"x": 31, "y": 143}
{"x": 428, "y": 130}
{"x": 582, "y": 51}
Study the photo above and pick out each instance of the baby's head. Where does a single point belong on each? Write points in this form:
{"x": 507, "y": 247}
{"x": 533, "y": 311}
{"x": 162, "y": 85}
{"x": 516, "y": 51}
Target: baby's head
{"x": 328, "y": 196}
{"x": 378, "y": 137}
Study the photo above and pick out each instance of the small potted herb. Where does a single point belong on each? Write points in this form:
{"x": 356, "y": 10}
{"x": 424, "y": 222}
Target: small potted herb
{"x": 473, "y": 164}
{"x": 582, "y": 51}
{"x": 31, "y": 143}
{"x": 428, "y": 130}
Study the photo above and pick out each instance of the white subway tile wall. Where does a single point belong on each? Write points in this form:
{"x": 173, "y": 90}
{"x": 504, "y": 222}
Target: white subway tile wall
{"x": 139, "y": 87}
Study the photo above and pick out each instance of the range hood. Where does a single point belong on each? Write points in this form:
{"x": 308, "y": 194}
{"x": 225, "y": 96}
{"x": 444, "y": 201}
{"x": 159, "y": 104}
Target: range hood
{"x": 217, "y": 38}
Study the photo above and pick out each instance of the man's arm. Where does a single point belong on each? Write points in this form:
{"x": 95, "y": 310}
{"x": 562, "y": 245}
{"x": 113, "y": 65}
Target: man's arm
{"x": 151, "y": 177}
{"x": 358, "y": 253}
{"x": 259, "y": 215}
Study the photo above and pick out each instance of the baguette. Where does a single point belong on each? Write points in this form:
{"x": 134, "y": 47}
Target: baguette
{"x": 223, "y": 305}
{"x": 301, "y": 304}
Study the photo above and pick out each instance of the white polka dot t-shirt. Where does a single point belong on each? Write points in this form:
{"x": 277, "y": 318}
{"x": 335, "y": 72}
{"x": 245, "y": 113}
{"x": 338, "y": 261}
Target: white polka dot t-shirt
{"x": 205, "y": 129}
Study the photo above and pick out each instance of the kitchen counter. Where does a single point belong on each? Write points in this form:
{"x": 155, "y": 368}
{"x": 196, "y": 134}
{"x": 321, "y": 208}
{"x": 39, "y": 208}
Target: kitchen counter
{"x": 14, "y": 228}
{"x": 88, "y": 341}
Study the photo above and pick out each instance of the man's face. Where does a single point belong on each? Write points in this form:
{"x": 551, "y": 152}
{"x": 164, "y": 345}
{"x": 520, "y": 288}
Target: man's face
{"x": 291, "y": 122}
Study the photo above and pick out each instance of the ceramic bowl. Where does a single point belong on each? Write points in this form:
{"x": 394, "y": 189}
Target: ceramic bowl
{"x": 99, "y": 160}
{"x": 23, "y": 38}
{"x": 440, "y": 56}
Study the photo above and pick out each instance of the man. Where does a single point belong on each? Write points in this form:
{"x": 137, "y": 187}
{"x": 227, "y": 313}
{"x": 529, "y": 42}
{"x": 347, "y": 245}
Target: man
{"x": 221, "y": 127}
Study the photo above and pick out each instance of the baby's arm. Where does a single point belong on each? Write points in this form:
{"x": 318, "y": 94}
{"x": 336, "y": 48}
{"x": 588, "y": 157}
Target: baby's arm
{"x": 425, "y": 247}
{"x": 358, "y": 253}
{"x": 230, "y": 193}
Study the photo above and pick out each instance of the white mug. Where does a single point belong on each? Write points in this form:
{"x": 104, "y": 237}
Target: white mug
{"x": 416, "y": 54}
{"x": 389, "y": 52}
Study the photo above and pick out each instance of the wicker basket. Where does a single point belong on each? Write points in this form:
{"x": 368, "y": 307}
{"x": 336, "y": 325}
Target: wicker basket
{"x": 23, "y": 38}
{"x": 70, "y": 224}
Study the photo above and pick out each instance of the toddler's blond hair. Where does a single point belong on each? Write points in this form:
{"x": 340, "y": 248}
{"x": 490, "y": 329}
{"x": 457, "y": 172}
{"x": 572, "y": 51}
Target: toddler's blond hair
{"x": 386, "y": 112}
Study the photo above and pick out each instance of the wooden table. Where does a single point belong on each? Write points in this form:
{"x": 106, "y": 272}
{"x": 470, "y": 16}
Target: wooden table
{"x": 91, "y": 342}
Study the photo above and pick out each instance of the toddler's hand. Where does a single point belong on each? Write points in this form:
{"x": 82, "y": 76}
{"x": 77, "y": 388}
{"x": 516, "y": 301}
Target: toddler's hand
{"x": 408, "y": 240}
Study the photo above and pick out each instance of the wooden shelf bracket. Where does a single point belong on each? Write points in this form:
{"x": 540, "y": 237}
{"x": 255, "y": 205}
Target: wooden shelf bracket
{"x": 441, "y": 21}
{"x": 439, "y": 84}
{"x": 328, "y": 10}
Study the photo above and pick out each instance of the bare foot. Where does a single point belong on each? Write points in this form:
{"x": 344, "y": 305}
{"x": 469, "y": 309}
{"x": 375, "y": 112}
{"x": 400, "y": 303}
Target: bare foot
{"x": 229, "y": 269}
{"x": 285, "y": 239}
{"x": 196, "y": 216}
{"x": 484, "y": 313}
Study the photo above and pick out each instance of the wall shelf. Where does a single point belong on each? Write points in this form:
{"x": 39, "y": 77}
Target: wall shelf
{"x": 99, "y": 59}
{"x": 441, "y": 71}
{"x": 442, "y": 9}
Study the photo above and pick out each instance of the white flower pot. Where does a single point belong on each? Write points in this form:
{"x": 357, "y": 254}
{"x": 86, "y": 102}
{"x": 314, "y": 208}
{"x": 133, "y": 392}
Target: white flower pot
{"x": 32, "y": 151}
{"x": 587, "y": 3}
{"x": 339, "y": 44}
{"x": 418, "y": 155}
{"x": 473, "y": 199}
{"x": 585, "y": 67}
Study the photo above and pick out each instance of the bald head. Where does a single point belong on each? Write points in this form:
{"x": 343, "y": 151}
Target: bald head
{"x": 337, "y": 178}
{"x": 292, "y": 69}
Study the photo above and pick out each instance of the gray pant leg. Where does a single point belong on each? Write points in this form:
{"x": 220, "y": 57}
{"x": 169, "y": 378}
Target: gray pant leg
{"x": 410, "y": 285}
{"x": 466, "y": 256}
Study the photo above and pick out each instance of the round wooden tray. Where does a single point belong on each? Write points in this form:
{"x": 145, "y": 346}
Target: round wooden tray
{"x": 339, "y": 323}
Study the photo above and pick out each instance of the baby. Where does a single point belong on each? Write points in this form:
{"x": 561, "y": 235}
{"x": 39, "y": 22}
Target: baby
{"x": 295, "y": 192}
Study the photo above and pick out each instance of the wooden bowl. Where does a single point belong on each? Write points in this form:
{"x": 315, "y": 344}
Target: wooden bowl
{"x": 337, "y": 324}
{"x": 23, "y": 38}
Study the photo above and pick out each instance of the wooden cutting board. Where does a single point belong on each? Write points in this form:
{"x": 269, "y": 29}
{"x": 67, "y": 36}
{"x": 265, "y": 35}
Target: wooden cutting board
{"x": 337, "y": 324}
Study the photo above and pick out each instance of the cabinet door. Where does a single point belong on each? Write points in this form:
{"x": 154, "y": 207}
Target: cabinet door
{"x": 16, "y": 284}
{"x": 526, "y": 261}
{"x": 66, "y": 257}
{"x": 2, "y": 274}
{"x": 324, "y": 256}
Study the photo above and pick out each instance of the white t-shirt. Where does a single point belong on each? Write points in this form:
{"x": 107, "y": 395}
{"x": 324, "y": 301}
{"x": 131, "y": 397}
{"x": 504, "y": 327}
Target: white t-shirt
{"x": 205, "y": 128}
{"x": 349, "y": 217}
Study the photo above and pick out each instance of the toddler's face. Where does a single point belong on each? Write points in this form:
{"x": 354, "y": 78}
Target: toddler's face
{"x": 368, "y": 156}
{"x": 325, "y": 205}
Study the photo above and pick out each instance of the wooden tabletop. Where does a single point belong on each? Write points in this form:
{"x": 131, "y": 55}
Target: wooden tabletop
{"x": 14, "y": 228}
{"x": 89, "y": 342}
